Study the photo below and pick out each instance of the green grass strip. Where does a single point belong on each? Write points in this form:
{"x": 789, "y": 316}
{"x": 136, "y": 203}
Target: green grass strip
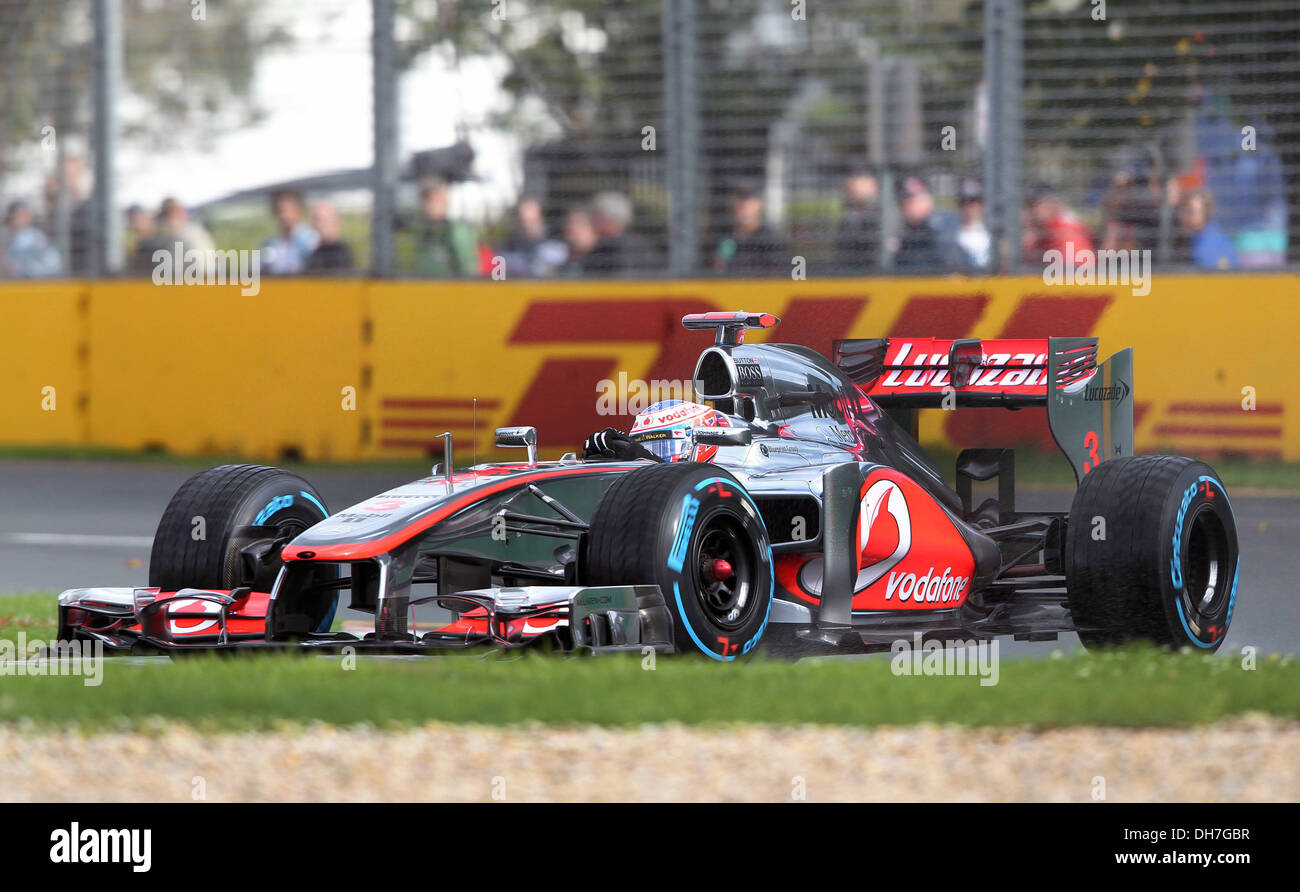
{"x": 35, "y": 614}
{"x": 1131, "y": 687}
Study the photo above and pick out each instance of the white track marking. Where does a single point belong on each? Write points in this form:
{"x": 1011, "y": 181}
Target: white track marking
{"x": 75, "y": 539}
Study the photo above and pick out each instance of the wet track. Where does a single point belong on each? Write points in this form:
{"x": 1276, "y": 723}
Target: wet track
{"x": 65, "y": 524}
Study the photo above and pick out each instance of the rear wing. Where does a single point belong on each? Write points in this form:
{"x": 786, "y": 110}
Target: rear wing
{"x": 1089, "y": 406}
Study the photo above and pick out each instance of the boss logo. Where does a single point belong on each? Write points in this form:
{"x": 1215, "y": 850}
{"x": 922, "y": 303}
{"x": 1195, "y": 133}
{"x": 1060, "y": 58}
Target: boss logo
{"x": 749, "y": 372}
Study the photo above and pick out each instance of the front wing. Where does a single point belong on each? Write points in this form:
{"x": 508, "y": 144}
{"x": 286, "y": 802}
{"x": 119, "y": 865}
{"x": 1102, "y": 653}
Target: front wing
{"x": 576, "y": 618}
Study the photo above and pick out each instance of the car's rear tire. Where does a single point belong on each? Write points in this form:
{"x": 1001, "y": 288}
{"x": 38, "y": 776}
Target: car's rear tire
{"x": 224, "y": 528}
{"x": 680, "y": 526}
{"x": 1151, "y": 554}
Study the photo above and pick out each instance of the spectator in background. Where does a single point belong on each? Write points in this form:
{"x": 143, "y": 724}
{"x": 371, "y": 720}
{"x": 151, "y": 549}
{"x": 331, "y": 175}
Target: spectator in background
{"x": 1131, "y": 215}
{"x": 974, "y": 243}
{"x": 528, "y": 251}
{"x": 332, "y": 254}
{"x": 857, "y": 243}
{"x": 579, "y": 239}
{"x": 286, "y": 252}
{"x": 1201, "y": 240}
{"x": 926, "y": 241}
{"x": 176, "y": 226}
{"x": 752, "y": 249}
{"x": 618, "y": 251}
{"x": 144, "y": 226}
{"x": 1053, "y": 226}
{"x": 28, "y": 253}
{"x": 445, "y": 248}
{"x": 76, "y": 197}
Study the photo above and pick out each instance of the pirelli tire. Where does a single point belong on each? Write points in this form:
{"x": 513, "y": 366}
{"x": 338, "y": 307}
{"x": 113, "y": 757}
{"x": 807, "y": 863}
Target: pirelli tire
{"x": 1151, "y": 554}
{"x": 225, "y": 527}
{"x": 693, "y": 530}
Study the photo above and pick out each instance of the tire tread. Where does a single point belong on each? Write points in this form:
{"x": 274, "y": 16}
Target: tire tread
{"x": 1113, "y": 584}
{"x": 177, "y": 559}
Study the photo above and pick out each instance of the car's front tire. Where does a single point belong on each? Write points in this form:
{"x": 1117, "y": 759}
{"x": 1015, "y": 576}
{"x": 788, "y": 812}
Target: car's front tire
{"x": 694, "y": 531}
{"x": 225, "y": 526}
{"x": 1151, "y": 554}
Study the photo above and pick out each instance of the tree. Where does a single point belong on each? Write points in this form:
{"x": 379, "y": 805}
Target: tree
{"x": 189, "y": 66}
{"x": 591, "y": 72}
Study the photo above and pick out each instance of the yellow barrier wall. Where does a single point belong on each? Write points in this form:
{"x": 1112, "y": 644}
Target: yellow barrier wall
{"x": 206, "y": 369}
{"x": 203, "y": 369}
{"x": 44, "y": 347}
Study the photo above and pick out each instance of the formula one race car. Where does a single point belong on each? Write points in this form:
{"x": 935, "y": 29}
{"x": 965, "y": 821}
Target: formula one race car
{"x": 816, "y": 523}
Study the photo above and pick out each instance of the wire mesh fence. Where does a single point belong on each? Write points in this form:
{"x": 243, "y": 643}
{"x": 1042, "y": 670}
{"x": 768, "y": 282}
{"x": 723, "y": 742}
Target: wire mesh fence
{"x": 1170, "y": 128}
{"x": 511, "y": 138}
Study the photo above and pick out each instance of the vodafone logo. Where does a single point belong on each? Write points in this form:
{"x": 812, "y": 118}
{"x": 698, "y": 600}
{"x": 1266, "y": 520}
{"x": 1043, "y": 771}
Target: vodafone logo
{"x": 702, "y": 415}
{"x": 932, "y": 587}
{"x": 665, "y": 417}
{"x": 884, "y": 531}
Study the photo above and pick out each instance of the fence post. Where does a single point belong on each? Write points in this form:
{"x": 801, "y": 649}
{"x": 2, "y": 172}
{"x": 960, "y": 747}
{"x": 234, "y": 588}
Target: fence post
{"x": 106, "y": 230}
{"x": 385, "y": 135}
{"x": 1003, "y": 76}
{"x": 61, "y": 224}
{"x": 682, "y": 111}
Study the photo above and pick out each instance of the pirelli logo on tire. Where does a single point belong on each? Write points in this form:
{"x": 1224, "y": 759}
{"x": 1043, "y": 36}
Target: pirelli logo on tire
{"x": 677, "y": 557}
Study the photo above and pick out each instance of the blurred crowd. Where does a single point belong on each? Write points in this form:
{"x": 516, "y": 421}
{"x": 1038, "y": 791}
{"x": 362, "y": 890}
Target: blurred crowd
{"x": 297, "y": 247}
{"x": 30, "y": 246}
{"x": 600, "y": 237}
{"x": 597, "y": 239}
{"x": 1135, "y": 211}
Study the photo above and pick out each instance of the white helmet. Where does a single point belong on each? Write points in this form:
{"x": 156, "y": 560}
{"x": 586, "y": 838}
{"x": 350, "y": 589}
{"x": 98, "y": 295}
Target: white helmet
{"x": 664, "y": 428}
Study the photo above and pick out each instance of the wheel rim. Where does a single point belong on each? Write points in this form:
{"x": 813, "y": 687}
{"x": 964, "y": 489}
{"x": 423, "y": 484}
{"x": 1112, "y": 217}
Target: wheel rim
{"x": 262, "y": 555}
{"x": 726, "y": 567}
{"x": 1205, "y": 566}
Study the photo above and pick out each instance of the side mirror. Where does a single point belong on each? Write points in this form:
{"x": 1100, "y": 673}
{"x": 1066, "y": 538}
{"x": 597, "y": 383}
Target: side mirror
{"x": 964, "y": 357}
{"x": 518, "y": 438}
{"x": 722, "y": 436}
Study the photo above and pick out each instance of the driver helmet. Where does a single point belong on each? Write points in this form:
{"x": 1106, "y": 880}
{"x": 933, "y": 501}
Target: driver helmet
{"x": 664, "y": 428}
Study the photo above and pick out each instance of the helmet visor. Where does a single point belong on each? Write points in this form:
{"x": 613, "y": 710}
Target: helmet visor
{"x": 668, "y": 445}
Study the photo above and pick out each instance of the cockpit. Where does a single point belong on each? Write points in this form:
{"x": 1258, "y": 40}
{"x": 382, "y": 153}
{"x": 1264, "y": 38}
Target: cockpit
{"x": 793, "y": 393}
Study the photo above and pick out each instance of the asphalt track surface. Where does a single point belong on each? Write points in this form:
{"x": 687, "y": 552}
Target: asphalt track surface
{"x": 65, "y": 524}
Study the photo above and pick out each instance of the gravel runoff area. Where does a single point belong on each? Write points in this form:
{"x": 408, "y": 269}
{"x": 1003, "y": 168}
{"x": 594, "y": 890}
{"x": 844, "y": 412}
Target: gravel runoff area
{"x": 1251, "y": 758}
